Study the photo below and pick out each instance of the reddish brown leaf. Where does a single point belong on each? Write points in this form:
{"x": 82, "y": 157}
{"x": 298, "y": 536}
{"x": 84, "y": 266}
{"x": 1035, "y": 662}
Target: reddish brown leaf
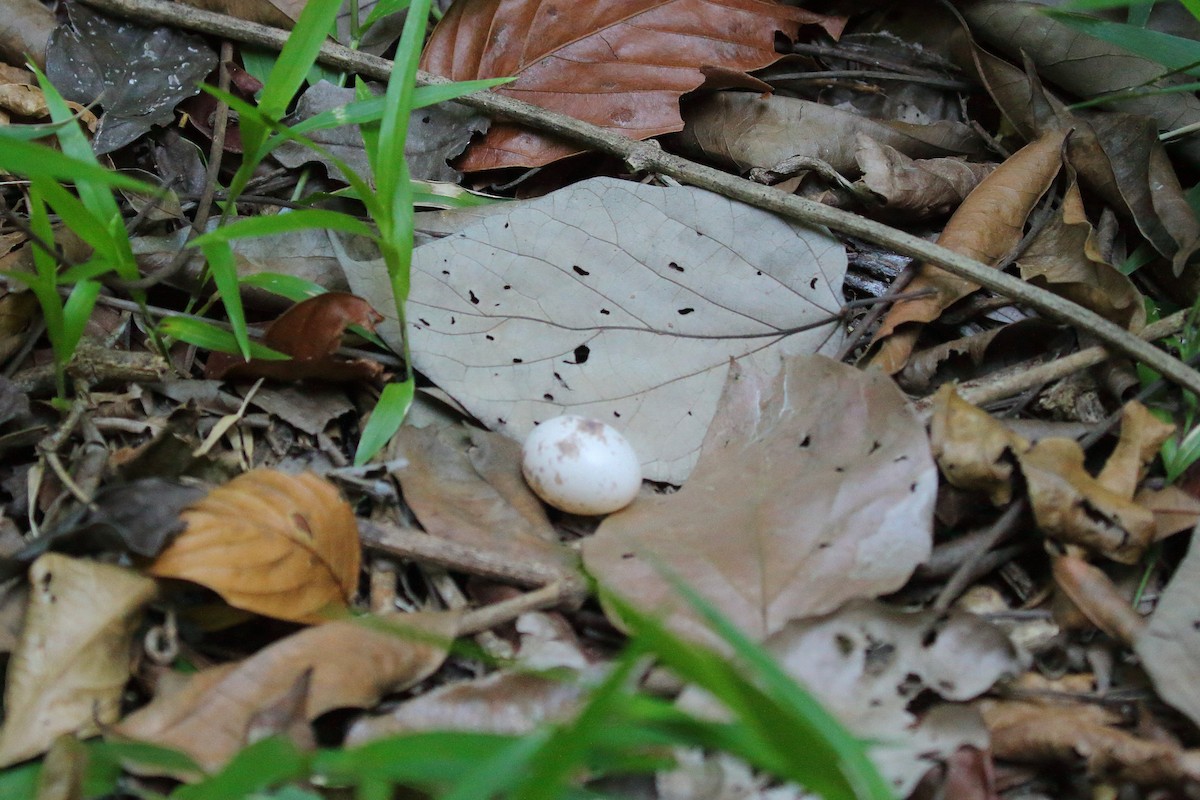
{"x": 311, "y": 333}
{"x": 281, "y": 545}
{"x": 620, "y": 64}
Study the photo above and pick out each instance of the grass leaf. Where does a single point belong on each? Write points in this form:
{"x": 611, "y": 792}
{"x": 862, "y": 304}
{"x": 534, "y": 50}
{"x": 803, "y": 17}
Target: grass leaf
{"x": 385, "y": 420}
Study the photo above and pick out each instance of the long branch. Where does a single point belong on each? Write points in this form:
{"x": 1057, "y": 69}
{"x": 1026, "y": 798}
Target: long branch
{"x": 648, "y": 156}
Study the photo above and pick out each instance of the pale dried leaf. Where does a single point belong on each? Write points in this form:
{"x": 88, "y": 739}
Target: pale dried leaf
{"x": 866, "y": 663}
{"x": 74, "y": 657}
{"x": 353, "y": 665}
{"x": 612, "y": 300}
{"x": 916, "y": 188}
{"x": 281, "y": 545}
{"x": 812, "y": 489}
{"x": 973, "y": 449}
{"x": 1169, "y": 645}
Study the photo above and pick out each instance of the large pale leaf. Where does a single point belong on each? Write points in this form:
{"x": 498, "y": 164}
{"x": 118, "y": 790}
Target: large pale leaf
{"x": 612, "y": 300}
{"x": 1169, "y": 646}
{"x": 620, "y": 64}
{"x": 812, "y": 489}
{"x": 281, "y": 545}
{"x": 353, "y": 664}
{"x": 74, "y": 656}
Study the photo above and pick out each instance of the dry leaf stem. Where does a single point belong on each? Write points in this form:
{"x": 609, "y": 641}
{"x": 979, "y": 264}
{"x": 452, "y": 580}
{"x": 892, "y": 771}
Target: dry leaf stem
{"x": 648, "y": 156}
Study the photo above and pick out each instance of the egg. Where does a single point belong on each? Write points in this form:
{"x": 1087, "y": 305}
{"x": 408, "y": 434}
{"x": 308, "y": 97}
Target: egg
{"x": 581, "y": 465}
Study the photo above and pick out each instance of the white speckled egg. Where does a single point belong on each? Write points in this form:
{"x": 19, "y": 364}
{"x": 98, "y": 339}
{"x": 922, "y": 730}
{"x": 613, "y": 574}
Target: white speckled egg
{"x": 581, "y": 465}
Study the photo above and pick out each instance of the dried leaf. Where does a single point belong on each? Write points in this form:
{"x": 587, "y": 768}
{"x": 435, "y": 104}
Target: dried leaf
{"x": 1169, "y": 646}
{"x": 352, "y": 663}
{"x": 866, "y": 663}
{"x": 1065, "y": 258}
{"x": 139, "y": 74}
{"x": 1072, "y": 506}
{"x": 621, "y": 65}
{"x": 24, "y": 31}
{"x": 812, "y": 489}
{"x": 612, "y": 300}
{"x": 311, "y": 333}
{"x": 915, "y": 188}
{"x": 985, "y": 227}
{"x": 285, "y": 546}
{"x": 974, "y": 451}
{"x": 476, "y": 498}
{"x": 1093, "y": 593}
{"x": 746, "y": 130}
{"x": 1175, "y": 510}
{"x": 1142, "y": 435}
{"x": 74, "y": 657}
{"x": 1064, "y": 734}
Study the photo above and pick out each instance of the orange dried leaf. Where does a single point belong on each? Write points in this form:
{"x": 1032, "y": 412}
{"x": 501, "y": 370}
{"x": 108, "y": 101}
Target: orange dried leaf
{"x": 284, "y": 546}
{"x": 973, "y": 449}
{"x": 619, "y": 64}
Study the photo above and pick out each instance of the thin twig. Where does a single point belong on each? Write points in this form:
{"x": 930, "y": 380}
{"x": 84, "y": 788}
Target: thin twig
{"x": 648, "y": 156}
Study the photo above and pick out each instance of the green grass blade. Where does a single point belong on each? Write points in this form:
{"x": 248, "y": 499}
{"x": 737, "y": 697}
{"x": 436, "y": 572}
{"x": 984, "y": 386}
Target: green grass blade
{"x": 391, "y": 177}
{"x": 297, "y": 56}
{"x": 1174, "y": 52}
{"x": 289, "y": 286}
{"x": 425, "y": 760}
{"x": 80, "y": 219}
{"x": 276, "y": 224}
{"x": 257, "y": 767}
{"x": 30, "y": 159}
{"x": 223, "y": 267}
{"x": 209, "y": 337}
{"x": 76, "y": 313}
{"x": 385, "y": 420}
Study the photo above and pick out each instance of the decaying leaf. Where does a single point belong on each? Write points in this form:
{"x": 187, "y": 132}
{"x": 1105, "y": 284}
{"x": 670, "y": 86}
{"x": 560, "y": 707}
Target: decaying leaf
{"x": 613, "y": 300}
{"x": 311, "y": 333}
{"x": 985, "y": 227}
{"x": 74, "y": 657}
{"x": 1169, "y": 646}
{"x": 466, "y": 485}
{"x": 1070, "y": 733}
{"x": 973, "y": 450}
{"x": 977, "y": 452}
{"x": 138, "y": 74}
{"x": 747, "y": 130}
{"x": 285, "y": 546}
{"x": 621, "y": 65}
{"x": 352, "y": 664}
{"x": 916, "y": 188}
{"x": 813, "y": 488}
{"x": 866, "y": 663}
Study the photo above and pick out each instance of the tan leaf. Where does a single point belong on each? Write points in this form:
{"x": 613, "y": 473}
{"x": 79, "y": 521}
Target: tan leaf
{"x": 1072, "y": 506}
{"x": 353, "y": 664}
{"x": 281, "y": 545}
{"x": 1142, "y": 434}
{"x": 974, "y": 450}
{"x": 1065, "y": 258}
{"x": 1064, "y": 734}
{"x": 811, "y": 489}
{"x": 73, "y": 660}
{"x": 1094, "y": 594}
{"x": 746, "y": 130}
{"x": 466, "y": 486}
{"x": 915, "y": 188}
{"x": 1175, "y": 510}
{"x": 985, "y": 227}
{"x": 621, "y": 64}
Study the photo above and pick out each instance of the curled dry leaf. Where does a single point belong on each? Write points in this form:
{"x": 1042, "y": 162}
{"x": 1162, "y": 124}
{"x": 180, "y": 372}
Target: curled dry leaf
{"x": 812, "y": 489}
{"x": 1094, "y": 594}
{"x": 622, "y": 65}
{"x": 73, "y": 659}
{"x": 352, "y": 664}
{"x": 915, "y": 188}
{"x": 867, "y": 663}
{"x": 986, "y": 227}
{"x": 747, "y": 130}
{"x": 1062, "y": 733}
{"x": 977, "y": 452}
{"x": 285, "y": 546}
{"x": 311, "y": 333}
{"x": 974, "y": 451}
